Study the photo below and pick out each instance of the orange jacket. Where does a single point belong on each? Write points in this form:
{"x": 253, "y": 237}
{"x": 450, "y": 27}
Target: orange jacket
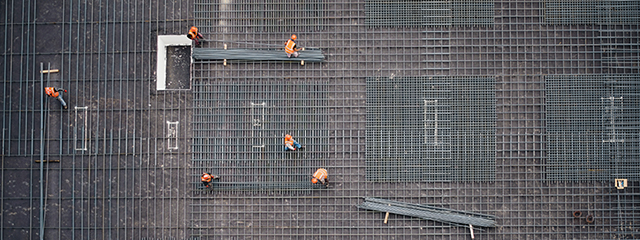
{"x": 321, "y": 174}
{"x": 290, "y": 46}
{"x": 193, "y": 32}
{"x": 289, "y": 144}
{"x": 51, "y": 92}
{"x": 206, "y": 177}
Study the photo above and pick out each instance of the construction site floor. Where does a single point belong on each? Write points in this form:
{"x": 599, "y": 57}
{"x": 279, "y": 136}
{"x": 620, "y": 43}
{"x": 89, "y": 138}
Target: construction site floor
{"x": 516, "y": 146}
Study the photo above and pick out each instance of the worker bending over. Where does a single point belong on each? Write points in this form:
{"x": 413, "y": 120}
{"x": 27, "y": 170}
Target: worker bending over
{"x": 321, "y": 176}
{"x": 206, "y": 179}
{"x": 194, "y": 35}
{"x": 291, "y": 48}
{"x": 55, "y": 93}
{"x": 291, "y": 144}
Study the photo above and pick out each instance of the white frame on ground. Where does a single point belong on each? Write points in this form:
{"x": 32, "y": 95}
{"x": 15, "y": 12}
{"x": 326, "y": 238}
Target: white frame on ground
{"x": 161, "y": 68}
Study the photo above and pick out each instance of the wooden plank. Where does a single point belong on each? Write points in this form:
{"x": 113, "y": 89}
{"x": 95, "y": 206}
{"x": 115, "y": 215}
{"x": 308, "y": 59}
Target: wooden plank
{"x": 50, "y": 71}
{"x": 48, "y": 161}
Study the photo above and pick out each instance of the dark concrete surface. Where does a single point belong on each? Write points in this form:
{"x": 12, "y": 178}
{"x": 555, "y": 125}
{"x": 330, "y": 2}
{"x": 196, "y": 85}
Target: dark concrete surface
{"x": 178, "y": 68}
{"x": 129, "y": 185}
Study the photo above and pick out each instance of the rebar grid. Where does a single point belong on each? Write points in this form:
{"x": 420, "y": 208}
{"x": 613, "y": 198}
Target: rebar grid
{"x": 593, "y": 126}
{"x": 428, "y": 13}
{"x": 591, "y": 12}
{"x": 109, "y": 174}
{"x": 430, "y": 129}
{"x": 259, "y": 16}
{"x": 518, "y": 49}
{"x": 106, "y": 57}
{"x": 239, "y": 129}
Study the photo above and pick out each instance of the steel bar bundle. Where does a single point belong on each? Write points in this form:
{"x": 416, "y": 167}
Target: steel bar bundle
{"x": 224, "y": 186}
{"x": 309, "y": 55}
{"x": 450, "y": 216}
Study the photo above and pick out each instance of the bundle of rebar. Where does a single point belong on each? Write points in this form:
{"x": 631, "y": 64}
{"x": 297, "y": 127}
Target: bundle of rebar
{"x": 449, "y": 216}
{"x": 308, "y": 55}
{"x": 251, "y": 186}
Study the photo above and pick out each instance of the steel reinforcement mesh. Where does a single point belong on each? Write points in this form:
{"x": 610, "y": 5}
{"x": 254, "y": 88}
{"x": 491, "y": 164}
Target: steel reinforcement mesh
{"x": 591, "y": 12}
{"x": 239, "y": 128}
{"x": 428, "y": 13}
{"x": 120, "y": 176}
{"x": 516, "y": 49}
{"x": 430, "y": 129}
{"x": 260, "y": 15}
{"x": 109, "y": 166}
{"x": 593, "y": 127}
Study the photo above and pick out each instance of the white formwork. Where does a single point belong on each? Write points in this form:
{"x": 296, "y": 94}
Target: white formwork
{"x": 161, "y": 68}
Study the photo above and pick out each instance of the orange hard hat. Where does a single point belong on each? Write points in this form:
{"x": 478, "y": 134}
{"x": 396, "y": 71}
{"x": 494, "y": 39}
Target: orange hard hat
{"x": 287, "y": 137}
{"x": 206, "y": 176}
{"x": 314, "y": 180}
{"x": 294, "y": 37}
{"x": 193, "y": 29}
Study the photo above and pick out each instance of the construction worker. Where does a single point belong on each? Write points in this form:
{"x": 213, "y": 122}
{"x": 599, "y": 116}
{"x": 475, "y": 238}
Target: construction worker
{"x": 55, "y": 93}
{"x": 194, "y": 35}
{"x": 320, "y": 176}
{"x": 291, "y": 144}
{"x": 206, "y": 178}
{"x": 291, "y": 48}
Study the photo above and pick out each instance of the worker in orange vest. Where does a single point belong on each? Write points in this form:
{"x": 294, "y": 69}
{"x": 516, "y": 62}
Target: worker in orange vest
{"x": 291, "y": 144}
{"x": 55, "y": 93}
{"x": 320, "y": 176}
{"x": 291, "y": 48}
{"x": 206, "y": 178}
{"x": 194, "y": 35}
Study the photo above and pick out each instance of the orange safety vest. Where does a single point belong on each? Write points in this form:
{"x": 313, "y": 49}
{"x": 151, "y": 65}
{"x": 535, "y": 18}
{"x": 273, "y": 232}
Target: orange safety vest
{"x": 51, "y": 92}
{"x": 193, "y": 32}
{"x": 289, "y": 143}
{"x": 321, "y": 174}
{"x": 290, "y": 46}
{"x": 204, "y": 179}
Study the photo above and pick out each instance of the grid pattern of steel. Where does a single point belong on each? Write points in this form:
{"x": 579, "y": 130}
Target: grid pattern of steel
{"x": 109, "y": 173}
{"x": 259, "y": 15}
{"x": 593, "y": 127}
{"x": 120, "y": 176}
{"x": 431, "y": 128}
{"x": 239, "y": 129}
{"x": 591, "y": 12}
{"x": 428, "y": 13}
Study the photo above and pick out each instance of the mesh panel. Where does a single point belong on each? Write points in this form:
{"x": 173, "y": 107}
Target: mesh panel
{"x": 428, "y": 13}
{"x": 239, "y": 128}
{"x": 591, "y": 12}
{"x": 430, "y": 128}
{"x": 592, "y": 126}
{"x": 259, "y": 15}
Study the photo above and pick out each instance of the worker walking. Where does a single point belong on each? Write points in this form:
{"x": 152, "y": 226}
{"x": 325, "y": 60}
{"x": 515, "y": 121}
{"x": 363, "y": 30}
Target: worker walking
{"x": 194, "y": 35}
{"x": 291, "y": 48}
{"x": 291, "y": 144}
{"x": 206, "y": 179}
{"x": 321, "y": 175}
{"x": 55, "y": 93}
